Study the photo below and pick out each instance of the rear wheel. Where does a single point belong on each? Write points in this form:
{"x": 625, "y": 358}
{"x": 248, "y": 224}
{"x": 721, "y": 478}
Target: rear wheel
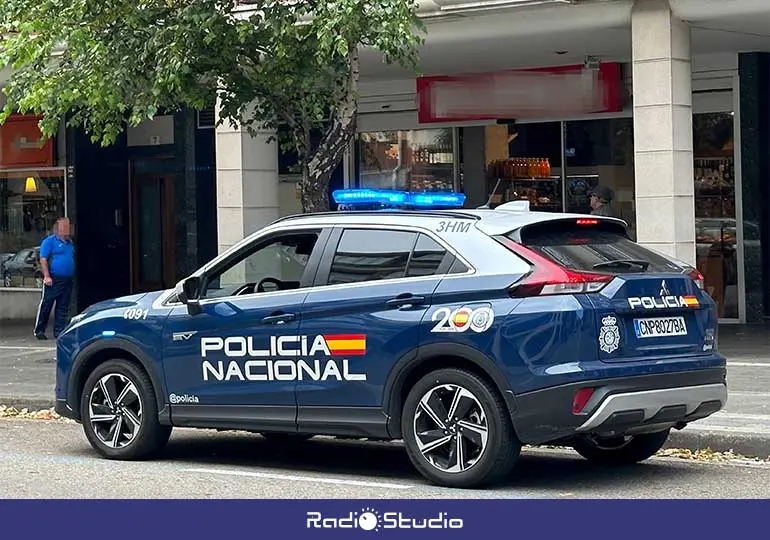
{"x": 457, "y": 430}
{"x": 120, "y": 413}
{"x": 621, "y": 450}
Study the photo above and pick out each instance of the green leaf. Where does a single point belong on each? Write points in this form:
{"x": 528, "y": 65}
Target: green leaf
{"x": 124, "y": 61}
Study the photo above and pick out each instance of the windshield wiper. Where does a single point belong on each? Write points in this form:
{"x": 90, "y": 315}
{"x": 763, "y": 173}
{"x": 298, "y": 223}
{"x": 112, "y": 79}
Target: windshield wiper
{"x": 623, "y": 263}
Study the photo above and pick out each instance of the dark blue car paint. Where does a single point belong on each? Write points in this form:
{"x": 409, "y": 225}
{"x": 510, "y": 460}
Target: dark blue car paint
{"x": 231, "y": 317}
{"x": 103, "y": 327}
{"x": 533, "y": 344}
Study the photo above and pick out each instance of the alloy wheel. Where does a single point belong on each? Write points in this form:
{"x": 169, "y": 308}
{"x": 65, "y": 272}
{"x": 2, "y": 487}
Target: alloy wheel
{"x": 115, "y": 410}
{"x": 450, "y": 427}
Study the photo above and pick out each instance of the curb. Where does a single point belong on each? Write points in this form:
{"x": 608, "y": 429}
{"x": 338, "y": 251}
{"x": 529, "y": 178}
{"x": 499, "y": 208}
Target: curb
{"x": 748, "y": 445}
{"x": 31, "y": 404}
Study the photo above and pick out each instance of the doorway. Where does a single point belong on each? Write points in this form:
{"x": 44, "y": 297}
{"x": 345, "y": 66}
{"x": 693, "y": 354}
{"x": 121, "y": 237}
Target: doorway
{"x": 152, "y": 230}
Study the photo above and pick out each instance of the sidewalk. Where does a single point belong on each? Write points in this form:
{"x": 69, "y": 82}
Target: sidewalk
{"x": 27, "y": 376}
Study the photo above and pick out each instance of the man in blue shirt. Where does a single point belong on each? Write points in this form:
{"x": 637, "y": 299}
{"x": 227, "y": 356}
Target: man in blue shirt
{"x": 57, "y": 262}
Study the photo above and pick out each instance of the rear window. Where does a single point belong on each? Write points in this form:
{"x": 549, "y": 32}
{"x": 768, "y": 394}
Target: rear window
{"x": 601, "y": 247}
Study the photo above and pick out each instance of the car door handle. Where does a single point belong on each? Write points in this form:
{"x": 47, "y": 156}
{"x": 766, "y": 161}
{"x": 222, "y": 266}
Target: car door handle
{"x": 279, "y": 318}
{"x": 406, "y": 299}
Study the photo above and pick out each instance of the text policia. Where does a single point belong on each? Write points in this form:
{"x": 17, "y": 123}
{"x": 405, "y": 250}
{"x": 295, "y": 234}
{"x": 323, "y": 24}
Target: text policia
{"x": 266, "y": 364}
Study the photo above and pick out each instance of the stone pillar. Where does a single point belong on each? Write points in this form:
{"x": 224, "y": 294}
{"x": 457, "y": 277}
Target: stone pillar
{"x": 663, "y": 146}
{"x": 247, "y": 183}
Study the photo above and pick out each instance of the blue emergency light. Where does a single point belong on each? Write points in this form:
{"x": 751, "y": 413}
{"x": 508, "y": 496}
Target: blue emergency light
{"x": 383, "y": 199}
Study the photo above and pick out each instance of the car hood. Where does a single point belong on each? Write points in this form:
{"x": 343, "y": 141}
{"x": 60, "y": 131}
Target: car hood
{"x": 123, "y": 301}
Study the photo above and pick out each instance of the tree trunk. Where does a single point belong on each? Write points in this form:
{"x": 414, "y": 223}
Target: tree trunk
{"x": 314, "y": 191}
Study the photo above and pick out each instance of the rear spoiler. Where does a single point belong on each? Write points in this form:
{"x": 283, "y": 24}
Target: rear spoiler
{"x": 574, "y": 223}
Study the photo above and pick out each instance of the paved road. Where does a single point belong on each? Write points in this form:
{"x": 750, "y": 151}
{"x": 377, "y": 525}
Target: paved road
{"x": 52, "y": 460}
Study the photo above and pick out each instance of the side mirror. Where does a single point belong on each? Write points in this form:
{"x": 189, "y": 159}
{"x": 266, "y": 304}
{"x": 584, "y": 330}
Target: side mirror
{"x": 190, "y": 294}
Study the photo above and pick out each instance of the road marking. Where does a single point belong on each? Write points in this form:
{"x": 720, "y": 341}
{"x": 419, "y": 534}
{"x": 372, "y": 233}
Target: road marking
{"x": 742, "y": 416}
{"x": 25, "y": 348}
{"x": 748, "y": 364}
{"x": 19, "y": 354}
{"x": 291, "y": 477}
{"x": 712, "y": 428}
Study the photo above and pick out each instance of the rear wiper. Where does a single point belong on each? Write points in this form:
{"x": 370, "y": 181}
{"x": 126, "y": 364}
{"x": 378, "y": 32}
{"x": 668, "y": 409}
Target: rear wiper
{"x": 624, "y": 263}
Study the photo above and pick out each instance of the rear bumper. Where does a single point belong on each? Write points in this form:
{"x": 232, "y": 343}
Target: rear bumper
{"x": 683, "y": 404}
{"x": 621, "y": 406}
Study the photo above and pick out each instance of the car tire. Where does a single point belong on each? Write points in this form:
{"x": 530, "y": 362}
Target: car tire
{"x": 135, "y": 418}
{"x": 489, "y": 454}
{"x": 614, "y": 452}
{"x": 286, "y": 437}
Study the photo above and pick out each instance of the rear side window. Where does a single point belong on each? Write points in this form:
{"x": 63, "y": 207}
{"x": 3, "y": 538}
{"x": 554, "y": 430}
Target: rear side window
{"x": 376, "y": 254}
{"x": 594, "y": 247}
{"x": 371, "y": 255}
{"x": 426, "y": 257}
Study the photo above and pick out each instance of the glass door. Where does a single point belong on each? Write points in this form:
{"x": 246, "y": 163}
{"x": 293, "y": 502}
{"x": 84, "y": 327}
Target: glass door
{"x": 152, "y": 243}
{"x": 716, "y": 197}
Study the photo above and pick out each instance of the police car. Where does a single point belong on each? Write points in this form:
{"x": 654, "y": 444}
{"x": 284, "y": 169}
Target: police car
{"x": 465, "y": 333}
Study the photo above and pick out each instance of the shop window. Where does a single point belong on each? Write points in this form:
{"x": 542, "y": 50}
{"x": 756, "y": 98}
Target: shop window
{"x": 600, "y": 153}
{"x": 523, "y": 162}
{"x": 715, "y": 223}
{"x": 30, "y": 203}
{"x": 417, "y": 160}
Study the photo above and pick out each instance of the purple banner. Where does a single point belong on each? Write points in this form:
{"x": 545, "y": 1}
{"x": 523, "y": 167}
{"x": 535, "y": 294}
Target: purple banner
{"x": 468, "y": 519}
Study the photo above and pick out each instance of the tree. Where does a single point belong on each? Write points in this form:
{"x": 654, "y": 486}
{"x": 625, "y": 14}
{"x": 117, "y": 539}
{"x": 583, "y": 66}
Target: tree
{"x": 107, "y": 64}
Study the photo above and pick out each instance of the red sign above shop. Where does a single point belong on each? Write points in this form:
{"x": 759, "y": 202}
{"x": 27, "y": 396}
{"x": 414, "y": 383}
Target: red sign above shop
{"x": 22, "y": 144}
{"x": 544, "y": 93}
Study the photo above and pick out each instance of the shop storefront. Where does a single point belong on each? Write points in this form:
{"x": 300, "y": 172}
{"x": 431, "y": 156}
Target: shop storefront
{"x": 555, "y": 164}
{"x": 32, "y": 197}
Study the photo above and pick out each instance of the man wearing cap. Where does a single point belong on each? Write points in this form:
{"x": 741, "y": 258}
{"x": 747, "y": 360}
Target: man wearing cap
{"x": 601, "y": 197}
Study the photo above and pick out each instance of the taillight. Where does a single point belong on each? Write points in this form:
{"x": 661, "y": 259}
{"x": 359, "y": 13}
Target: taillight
{"x": 696, "y": 276}
{"x": 580, "y": 400}
{"x": 548, "y": 278}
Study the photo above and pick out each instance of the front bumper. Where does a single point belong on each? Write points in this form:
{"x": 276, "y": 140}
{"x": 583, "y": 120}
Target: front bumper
{"x": 620, "y": 406}
{"x": 63, "y": 409}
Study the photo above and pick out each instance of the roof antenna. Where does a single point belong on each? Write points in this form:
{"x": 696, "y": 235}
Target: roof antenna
{"x": 491, "y": 196}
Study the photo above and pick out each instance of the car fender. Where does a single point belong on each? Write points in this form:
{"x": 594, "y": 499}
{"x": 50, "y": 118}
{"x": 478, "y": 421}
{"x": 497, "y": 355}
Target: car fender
{"x": 411, "y": 361}
{"x": 82, "y": 358}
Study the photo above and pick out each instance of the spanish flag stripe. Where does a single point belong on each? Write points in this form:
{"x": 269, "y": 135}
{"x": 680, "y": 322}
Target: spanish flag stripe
{"x": 346, "y": 344}
{"x": 345, "y": 352}
{"x": 344, "y": 337}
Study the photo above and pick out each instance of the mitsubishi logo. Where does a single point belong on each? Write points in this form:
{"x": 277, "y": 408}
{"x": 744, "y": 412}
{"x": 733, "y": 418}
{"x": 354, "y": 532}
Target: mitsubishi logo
{"x": 664, "y": 289}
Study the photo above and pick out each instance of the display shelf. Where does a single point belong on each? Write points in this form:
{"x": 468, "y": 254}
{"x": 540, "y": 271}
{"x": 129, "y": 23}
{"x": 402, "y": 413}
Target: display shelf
{"x": 543, "y": 193}
{"x": 714, "y": 179}
{"x": 524, "y": 178}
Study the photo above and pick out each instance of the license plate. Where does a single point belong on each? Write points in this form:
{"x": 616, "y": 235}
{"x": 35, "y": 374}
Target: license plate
{"x": 660, "y": 327}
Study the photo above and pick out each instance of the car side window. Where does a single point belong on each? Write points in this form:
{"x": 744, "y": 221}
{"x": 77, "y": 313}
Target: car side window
{"x": 273, "y": 265}
{"x": 427, "y": 257}
{"x": 371, "y": 255}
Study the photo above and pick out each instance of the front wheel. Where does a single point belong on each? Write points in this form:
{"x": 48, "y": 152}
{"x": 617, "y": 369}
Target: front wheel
{"x": 120, "y": 413}
{"x": 457, "y": 430}
{"x": 620, "y": 450}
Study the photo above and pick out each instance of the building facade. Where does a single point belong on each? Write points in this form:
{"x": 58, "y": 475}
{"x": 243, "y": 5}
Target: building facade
{"x": 142, "y": 210}
{"x": 665, "y": 102}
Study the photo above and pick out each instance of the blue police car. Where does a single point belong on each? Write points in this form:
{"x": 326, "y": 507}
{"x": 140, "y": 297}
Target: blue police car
{"x": 465, "y": 333}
